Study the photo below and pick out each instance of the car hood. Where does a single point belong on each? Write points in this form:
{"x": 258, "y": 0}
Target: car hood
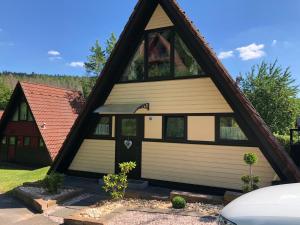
{"x": 277, "y": 204}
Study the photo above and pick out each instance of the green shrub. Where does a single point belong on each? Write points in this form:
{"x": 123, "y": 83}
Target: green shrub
{"x": 53, "y": 182}
{"x": 116, "y": 184}
{"x": 250, "y": 181}
{"x": 285, "y": 141}
{"x": 178, "y": 202}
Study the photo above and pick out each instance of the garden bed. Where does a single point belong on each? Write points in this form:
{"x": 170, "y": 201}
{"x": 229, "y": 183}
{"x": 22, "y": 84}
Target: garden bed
{"x": 106, "y": 212}
{"x": 38, "y": 199}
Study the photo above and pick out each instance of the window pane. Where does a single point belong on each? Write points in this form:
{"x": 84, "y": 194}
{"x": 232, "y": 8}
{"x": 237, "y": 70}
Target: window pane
{"x": 159, "y": 54}
{"x": 230, "y": 130}
{"x": 30, "y": 118}
{"x": 41, "y": 143}
{"x": 16, "y": 115}
{"x": 26, "y": 141}
{"x": 175, "y": 127}
{"x": 135, "y": 69}
{"x": 23, "y": 111}
{"x": 185, "y": 64}
{"x": 128, "y": 128}
{"x": 103, "y": 127}
{"x": 3, "y": 141}
{"x": 12, "y": 140}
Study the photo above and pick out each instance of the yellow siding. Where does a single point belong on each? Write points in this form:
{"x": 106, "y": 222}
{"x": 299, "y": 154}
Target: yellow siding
{"x": 210, "y": 165}
{"x": 201, "y": 128}
{"x": 95, "y": 156}
{"x": 153, "y": 127}
{"x": 159, "y": 19}
{"x": 113, "y": 125}
{"x": 198, "y": 95}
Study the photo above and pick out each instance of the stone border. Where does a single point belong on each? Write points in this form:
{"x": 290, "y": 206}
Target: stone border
{"x": 40, "y": 205}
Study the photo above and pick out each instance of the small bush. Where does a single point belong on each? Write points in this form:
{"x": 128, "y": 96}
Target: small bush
{"x": 250, "y": 158}
{"x": 53, "y": 182}
{"x": 250, "y": 182}
{"x": 116, "y": 184}
{"x": 178, "y": 202}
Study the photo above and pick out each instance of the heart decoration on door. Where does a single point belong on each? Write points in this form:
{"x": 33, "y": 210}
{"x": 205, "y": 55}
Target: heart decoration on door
{"x": 128, "y": 144}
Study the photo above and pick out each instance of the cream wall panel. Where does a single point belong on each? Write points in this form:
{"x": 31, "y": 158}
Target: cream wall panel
{"x": 159, "y": 19}
{"x": 201, "y": 128}
{"x": 96, "y": 156}
{"x": 210, "y": 165}
{"x": 153, "y": 127}
{"x": 198, "y": 95}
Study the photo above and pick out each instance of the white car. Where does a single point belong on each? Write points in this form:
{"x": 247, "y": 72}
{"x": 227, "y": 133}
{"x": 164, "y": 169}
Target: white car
{"x": 276, "y": 205}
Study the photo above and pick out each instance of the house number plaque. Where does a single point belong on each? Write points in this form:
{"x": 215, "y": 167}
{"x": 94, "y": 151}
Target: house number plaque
{"x": 128, "y": 144}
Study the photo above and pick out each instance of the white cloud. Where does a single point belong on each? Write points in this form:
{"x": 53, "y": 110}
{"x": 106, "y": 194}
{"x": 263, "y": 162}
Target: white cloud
{"x": 76, "y": 64}
{"x": 53, "y": 53}
{"x": 274, "y": 42}
{"x": 252, "y": 51}
{"x": 225, "y": 55}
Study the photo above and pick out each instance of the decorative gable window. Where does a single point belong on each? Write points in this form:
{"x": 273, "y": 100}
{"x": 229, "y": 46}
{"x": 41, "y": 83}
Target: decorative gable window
{"x": 162, "y": 54}
{"x": 23, "y": 111}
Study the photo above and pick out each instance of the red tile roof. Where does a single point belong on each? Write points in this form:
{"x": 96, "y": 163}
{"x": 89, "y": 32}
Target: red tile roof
{"x": 54, "y": 110}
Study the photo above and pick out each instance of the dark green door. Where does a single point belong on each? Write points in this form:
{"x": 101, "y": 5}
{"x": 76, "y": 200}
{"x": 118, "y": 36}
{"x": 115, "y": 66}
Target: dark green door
{"x": 129, "y": 134}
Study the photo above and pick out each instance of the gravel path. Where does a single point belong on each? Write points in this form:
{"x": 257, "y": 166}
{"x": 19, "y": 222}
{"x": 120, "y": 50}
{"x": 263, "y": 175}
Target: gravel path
{"x": 142, "y": 218}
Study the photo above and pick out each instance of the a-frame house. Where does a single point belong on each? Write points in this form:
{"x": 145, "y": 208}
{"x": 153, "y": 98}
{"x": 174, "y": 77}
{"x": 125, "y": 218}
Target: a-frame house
{"x": 165, "y": 101}
{"x": 36, "y": 122}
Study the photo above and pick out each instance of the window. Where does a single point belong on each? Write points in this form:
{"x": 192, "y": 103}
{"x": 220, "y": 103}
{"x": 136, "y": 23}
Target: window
{"x": 129, "y": 127}
{"x": 41, "y": 143}
{"x": 23, "y": 111}
{"x": 16, "y": 115}
{"x": 12, "y": 140}
{"x": 103, "y": 127}
{"x": 184, "y": 63}
{"x": 135, "y": 69}
{"x": 230, "y": 130}
{"x": 175, "y": 127}
{"x": 3, "y": 141}
{"x": 29, "y": 116}
{"x": 26, "y": 141}
{"x": 161, "y": 55}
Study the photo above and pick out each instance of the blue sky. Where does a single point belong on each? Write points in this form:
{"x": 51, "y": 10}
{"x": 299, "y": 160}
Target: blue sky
{"x": 55, "y": 36}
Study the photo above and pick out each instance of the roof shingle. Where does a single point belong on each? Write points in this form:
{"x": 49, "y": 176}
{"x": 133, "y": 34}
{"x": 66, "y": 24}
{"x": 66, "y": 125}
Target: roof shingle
{"x": 54, "y": 110}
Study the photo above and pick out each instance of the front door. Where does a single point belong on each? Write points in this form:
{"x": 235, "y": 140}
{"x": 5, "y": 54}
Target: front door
{"x": 129, "y": 134}
{"x": 11, "y": 153}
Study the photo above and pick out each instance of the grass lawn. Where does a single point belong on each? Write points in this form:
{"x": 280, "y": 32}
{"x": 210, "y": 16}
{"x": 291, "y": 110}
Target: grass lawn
{"x": 12, "y": 176}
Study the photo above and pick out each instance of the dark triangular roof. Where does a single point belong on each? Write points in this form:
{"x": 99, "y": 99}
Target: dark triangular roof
{"x": 247, "y": 116}
{"x": 54, "y": 111}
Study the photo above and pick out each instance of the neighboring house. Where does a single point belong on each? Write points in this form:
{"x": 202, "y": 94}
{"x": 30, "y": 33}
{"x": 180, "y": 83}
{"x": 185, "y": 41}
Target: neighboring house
{"x": 36, "y": 122}
{"x": 165, "y": 101}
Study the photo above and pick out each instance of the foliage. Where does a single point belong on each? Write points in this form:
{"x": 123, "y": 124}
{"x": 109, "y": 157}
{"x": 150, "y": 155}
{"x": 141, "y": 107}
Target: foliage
{"x": 96, "y": 61}
{"x": 5, "y": 93}
{"x": 250, "y": 181}
{"x": 285, "y": 141}
{"x": 116, "y": 184}
{"x": 53, "y": 182}
{"x": 250, "y": 158}
{"x": 272, "y": 91}
{"x": 178, "y": 202}
{"x": 12, "y": 176}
